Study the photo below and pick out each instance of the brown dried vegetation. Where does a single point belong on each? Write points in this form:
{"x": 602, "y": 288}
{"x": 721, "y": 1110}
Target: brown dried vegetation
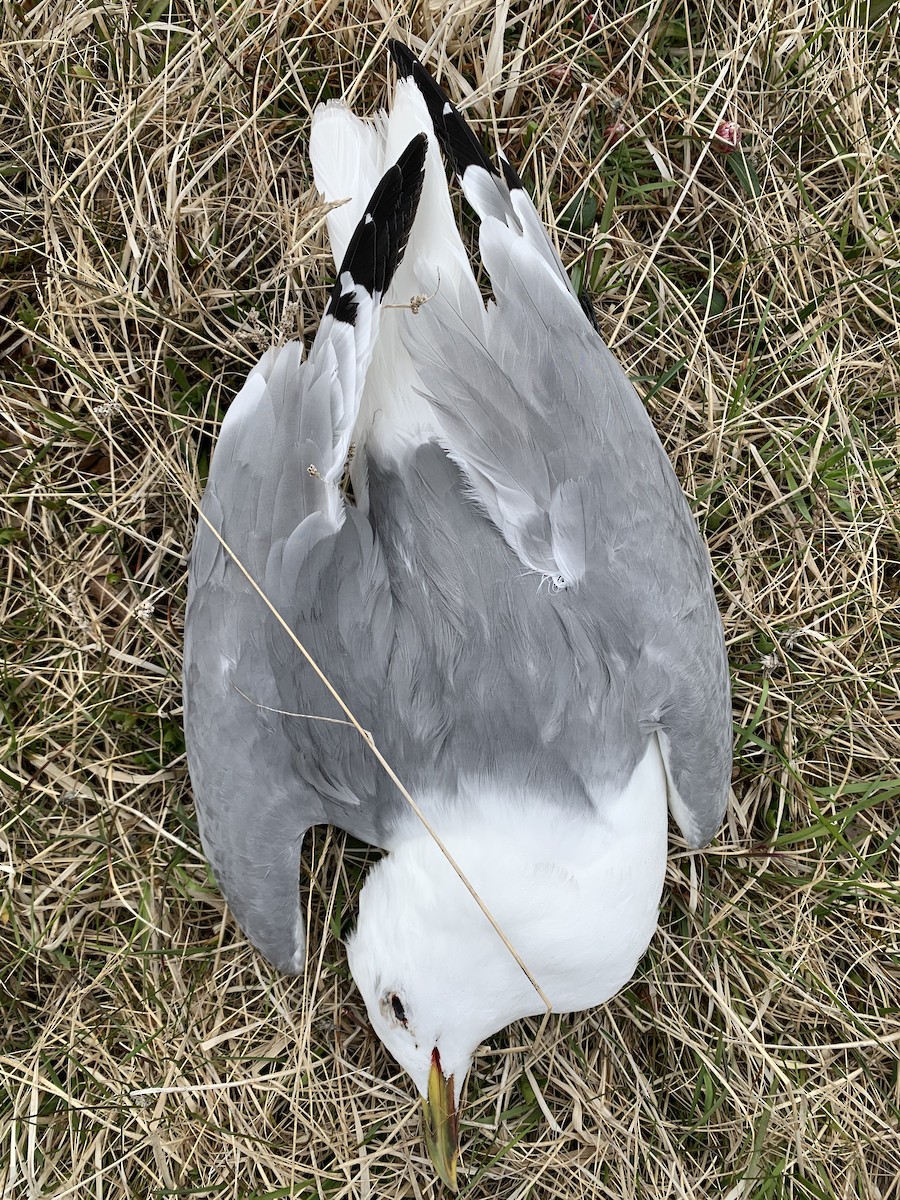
{"x": 158, "y": 227}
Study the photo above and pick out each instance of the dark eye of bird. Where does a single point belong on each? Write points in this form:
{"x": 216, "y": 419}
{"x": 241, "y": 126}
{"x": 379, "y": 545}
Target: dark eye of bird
{"x": 399, "y": 1012}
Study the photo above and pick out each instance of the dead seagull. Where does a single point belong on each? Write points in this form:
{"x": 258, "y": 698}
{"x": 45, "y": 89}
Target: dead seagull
{"x": 515, "y": 603}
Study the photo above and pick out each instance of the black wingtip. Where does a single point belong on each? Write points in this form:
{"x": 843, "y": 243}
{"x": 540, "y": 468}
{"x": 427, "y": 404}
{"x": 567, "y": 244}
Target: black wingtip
{"x": 456, "y": 139}
{"x": 380, "y": 238}
{"x": 403, "y": 58}
{"x": 587, "y": 307}
{"x": 510, "y": 174}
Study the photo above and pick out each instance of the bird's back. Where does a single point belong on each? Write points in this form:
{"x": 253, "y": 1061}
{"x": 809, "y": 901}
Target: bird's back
{"x": 552, "y": 595}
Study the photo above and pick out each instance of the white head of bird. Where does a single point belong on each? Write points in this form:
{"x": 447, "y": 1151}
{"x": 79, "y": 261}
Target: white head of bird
{"x": 438, "y": 979}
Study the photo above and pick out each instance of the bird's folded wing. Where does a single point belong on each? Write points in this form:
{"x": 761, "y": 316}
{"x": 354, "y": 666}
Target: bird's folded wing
{"x": 273, "y": 515}
{"x": 562, "y": 456}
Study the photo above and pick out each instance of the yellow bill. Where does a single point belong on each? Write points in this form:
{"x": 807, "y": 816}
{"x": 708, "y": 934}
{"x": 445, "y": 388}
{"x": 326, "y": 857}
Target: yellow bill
{"x": 440, "y": 1124}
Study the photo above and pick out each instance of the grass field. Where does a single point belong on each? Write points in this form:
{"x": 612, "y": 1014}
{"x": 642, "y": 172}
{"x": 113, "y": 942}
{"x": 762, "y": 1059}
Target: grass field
{"x": 159, "y": 228}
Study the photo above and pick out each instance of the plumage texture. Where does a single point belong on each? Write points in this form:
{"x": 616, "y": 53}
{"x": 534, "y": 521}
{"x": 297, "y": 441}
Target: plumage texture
{"x": 256, "y": 787}
{"x": 517, "y": 605}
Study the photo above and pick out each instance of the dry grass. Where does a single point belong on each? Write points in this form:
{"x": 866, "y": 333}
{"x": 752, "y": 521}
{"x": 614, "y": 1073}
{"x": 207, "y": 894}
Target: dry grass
{"x": 159, "y": 227}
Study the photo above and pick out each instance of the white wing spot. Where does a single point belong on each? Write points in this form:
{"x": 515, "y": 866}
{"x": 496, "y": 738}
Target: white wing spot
{"x": 368, "y": 220}
{"x": 447, "y": 109}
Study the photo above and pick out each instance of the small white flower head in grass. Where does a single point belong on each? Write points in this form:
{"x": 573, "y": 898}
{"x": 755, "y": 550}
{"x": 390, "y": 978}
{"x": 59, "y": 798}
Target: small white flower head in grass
{"x": 252, "y": 331}
{"x": 107, "y": 409}
{"x": 770, "y": 664}
{"x": 143, "y": 610}
{"x": 287, "y": 327}
{"x": 727, "y": 137}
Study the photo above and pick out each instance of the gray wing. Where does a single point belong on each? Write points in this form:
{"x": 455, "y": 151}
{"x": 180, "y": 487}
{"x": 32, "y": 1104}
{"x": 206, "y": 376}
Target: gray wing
{"x": 560, "y": 452}
{"x": 258, "y": 784}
